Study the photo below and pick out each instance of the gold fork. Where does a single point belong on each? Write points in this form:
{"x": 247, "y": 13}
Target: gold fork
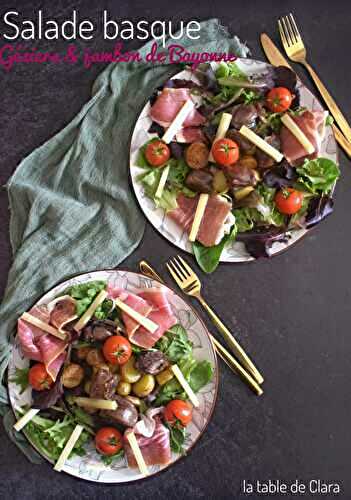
{"x": 190, "y": 284}
{"x": 221, "y": 351}
{"x": 296, "y": 51}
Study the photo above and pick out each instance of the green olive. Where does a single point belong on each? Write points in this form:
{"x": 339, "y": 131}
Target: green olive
{"x": 124, "y": 388}
{"x": 129, "y": 373}
{"x": 144, "y": 386}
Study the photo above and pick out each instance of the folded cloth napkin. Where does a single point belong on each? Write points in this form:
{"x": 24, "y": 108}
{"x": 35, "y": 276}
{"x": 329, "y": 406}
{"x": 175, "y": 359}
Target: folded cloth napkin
{"x": 72, "y": 209}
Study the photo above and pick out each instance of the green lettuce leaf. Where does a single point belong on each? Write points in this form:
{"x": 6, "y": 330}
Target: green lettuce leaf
{"x": 318, "y": 176}
{"x": 85, "y": 293}
{"x": 175, "y": 344}
{"x": 21, "y": 378}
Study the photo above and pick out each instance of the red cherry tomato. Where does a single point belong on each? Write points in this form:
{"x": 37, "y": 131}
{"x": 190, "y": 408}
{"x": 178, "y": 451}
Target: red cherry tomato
{"x": 288, "y": 201}
{"x": 117, "y": 350}
{"x": 225, "y": 152}
{"x": 39, "y": 378}
{"x": 178, "y": 411}
{"x": 157, "y": 153}
{"x": 279, "y": 99}
{"x": 108, "y": 441}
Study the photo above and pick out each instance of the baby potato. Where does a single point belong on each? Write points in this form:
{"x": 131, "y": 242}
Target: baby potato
{"x": 100, "y": 366}
{"x": 144, "y": 386}
{"x": 128, "y": 371}
{"x": 72, "y": 376}
{"x": 124, "y": 388}
{"x": 95, "y": 357}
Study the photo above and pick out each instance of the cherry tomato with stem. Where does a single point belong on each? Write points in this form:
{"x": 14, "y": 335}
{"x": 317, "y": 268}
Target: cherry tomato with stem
{"x": 108, "y": 441}
{"x": 39, "y": 378}
{"x": 279, "y": 99}
{"x": 117, "y": 350}
{"x": 288, "y": 201}
{"x": 225, "y": 152}
{"x": 178, "y": 411}
{"x": 157, "y": 153}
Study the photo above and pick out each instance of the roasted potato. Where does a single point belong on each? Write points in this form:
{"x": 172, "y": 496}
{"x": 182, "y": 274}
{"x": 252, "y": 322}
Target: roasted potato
{"x": 124, "y": 388}
{"x": 129, "y": 373}
{"x": 144, "y": 386}
{"x": 196, "y": 155}
{"x": 242, "y": 192}
{"x": 72, "y": 376}
{"x": 82, "y": 352}
{"x": 248, "y": 161}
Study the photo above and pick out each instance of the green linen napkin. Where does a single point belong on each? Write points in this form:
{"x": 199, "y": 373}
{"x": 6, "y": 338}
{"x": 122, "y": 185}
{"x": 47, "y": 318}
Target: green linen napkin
{"x": 72, "y": 209}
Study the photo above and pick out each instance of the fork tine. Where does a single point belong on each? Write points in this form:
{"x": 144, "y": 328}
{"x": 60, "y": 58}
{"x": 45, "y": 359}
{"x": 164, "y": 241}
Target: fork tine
{"x": 286, "y": 31}
{"x": 291, "y": 31}
{"x": 179, "y": 268}
{"x": 294, "y": 26}
{"x": 282, "y": 34}
{"x": 174, "y": 275}
{"x": 186, "y": 265}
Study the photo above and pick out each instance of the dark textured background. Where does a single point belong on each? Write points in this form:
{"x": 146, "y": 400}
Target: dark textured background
{"x": 291, "y": 313}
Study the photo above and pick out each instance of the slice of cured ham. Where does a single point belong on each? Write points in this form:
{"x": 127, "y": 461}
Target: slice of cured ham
{"x": 156, "y": 450}
{"x": 39, "y": 345}
{"x": 167, "y": 105}
{"x": 312, "y": 124}
{"x": 215, "y": 223}
{"x": 190, "y": 134}
{"x": 151, "y": 303}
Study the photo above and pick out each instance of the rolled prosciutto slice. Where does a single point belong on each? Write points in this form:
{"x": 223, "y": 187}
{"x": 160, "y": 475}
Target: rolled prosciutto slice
{"x": 167, "y": 105}
{"x": 215, "y": 223}
{"x": 312, "y": 124}
{"x": 190, "y": 134}
{"x": 156, "y": 450}
{"x": 151, "y": 303}
{"x": 39, "y": 345}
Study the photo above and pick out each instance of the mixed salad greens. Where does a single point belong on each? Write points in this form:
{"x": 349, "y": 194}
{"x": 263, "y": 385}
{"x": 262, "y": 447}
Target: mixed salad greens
{"x": 135, "y": 383}
{"x": 268, "y": 198}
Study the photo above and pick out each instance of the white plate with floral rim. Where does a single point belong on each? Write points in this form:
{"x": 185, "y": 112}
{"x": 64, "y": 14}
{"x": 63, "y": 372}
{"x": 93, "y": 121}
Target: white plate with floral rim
{"x": 90, "y": 466}
{"x": 236, "y": 251}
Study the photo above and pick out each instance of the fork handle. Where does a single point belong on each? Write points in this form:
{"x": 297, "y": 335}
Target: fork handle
{"x": 333, "y": 107}
{"x": 235, "y": 346}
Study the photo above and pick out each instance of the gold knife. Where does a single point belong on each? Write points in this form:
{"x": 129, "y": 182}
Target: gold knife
{"x": 276, "y": 58}
{"x": 222, "y": 352}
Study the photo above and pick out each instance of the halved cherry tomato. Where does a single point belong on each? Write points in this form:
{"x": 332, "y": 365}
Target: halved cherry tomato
{"x": 225, "y": 152}
{"x": 157, "y": 153}
{"x": 288, "y": 201}
{"x": 117, "y": 350}
{"x": 279, "y": 99}
{"x": 108, "y": 441}
{"x": 39, "y": 378}
{"x": 178, "y": 411}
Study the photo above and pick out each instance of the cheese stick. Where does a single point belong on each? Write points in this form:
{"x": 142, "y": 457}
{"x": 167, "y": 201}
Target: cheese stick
{"x": 261, "y": 144}
{"x": 137, "y": 453}
{"x": 200, "y": 210}
{"x": 180, "y": 377}
{"x": 149, "y": 325}
{"x": 297, "y": 132}
{"x": 27, "y": 417}
{"x": 33, "y": 320}
{"x": 162, "y": 183}
{"x": 99, "y": 404}
{"x": 178, "y": 121}
{"x": 68, "y": 448}
{"x": 223, "y": 127}
{"x": 83, "y": 320}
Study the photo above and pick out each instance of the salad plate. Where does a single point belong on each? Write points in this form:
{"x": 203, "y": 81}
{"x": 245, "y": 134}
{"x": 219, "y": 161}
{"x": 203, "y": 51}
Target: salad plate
{"x": 261, "y": 230}
{"x": 49, "y": 430}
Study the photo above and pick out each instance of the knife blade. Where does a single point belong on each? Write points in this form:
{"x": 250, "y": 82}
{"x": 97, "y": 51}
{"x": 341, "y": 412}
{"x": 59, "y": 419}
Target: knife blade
{"x": 276, "y": 58}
